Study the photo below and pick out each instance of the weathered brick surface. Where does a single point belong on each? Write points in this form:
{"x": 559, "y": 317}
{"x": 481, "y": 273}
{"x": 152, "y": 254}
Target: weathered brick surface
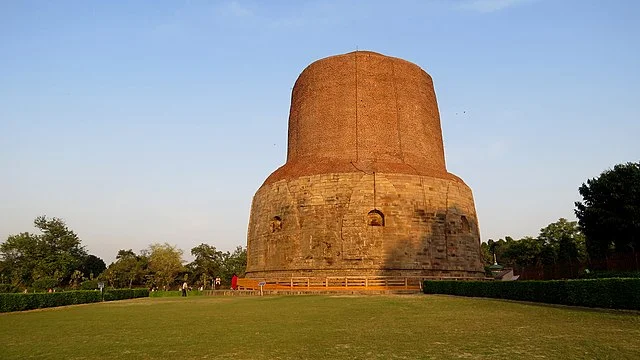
{"x": 430, "y": 227}
{"x": 364, "y": 135}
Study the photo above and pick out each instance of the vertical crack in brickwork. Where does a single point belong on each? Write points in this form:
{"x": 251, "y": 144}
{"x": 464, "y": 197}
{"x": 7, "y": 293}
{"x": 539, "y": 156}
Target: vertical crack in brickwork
{"x": 446, "y": 224}
{"x": 374, "y": 190}
{"x": 355, "y": 58}
{"x": 395, "y": 91}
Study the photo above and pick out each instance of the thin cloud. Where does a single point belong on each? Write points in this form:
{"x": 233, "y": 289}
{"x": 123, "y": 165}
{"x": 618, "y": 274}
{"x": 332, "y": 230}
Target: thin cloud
{"x": 236, "y": 9}
{"x": 488, "y": 6}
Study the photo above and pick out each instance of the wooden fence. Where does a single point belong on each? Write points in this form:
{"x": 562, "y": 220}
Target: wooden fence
{"x": 340, "y": 283}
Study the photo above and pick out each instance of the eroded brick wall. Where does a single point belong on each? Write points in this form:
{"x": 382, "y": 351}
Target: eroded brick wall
{"x": 319, "y": 226}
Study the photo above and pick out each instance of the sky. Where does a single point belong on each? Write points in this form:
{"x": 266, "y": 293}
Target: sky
{"x": 141, "y": 122}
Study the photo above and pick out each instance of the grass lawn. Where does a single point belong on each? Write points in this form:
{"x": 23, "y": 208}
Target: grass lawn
{"x": 319, "y": 327}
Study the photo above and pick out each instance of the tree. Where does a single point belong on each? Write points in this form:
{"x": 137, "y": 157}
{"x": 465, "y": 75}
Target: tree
{"x": 235, "y": 263}
{"x": 487, "y": 255}
{"x": 207, "y": 265}
{"x": 524, "y": 252}
{"x": 498, "y": 248}
{"x": 54, "y": 254}
{"x": 562, "y": 241}
{"x": 609, "y": 214}
{"x": 20, "y": 255}
{"x": 92, "y": 266}
{"x": 76, "y": 279}
{"x": 165, "y": 263}
{"x": 129, "y": 269}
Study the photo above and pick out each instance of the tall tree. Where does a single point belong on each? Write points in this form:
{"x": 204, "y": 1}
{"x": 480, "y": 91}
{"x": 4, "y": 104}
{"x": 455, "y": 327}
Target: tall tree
{"x": 563, "y": 242}
{"x": 523, "y": 252}
{"x": 165, "y": 263}
{"x": 55, "y": 253}
{"x": 609, "y": 214}
{"x": 235, "y": 263}
{"x": 487, "y": 255}
{"x": 92, "y": 266}
{"x": 207, "y": 265}
{"x": 129, "y": 269}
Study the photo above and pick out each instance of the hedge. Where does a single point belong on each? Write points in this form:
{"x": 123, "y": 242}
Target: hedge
{"x": 121, "y": 294}
{"x": 20, "y": 302}
{"x": 599, "y": 274}
{"x": 618, "y": 293}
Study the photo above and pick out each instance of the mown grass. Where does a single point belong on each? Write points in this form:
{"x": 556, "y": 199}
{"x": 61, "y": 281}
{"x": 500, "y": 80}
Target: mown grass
{"x": 319, "y": 327}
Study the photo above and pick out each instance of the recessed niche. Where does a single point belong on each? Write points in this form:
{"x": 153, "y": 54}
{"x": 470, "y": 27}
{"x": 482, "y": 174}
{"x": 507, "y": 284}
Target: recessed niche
{"x": 466, "y": 228}
{"x": 276, "y": 224}
{"x": 375, "y": 218}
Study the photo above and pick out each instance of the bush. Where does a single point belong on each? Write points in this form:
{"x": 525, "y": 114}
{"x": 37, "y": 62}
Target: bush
{"x": 89, "y": 285}
{"x": 121, "y": 294}
{"x": 44, "y": 284}
{"x": 8, "y": 288}
{"x": 20, "y": 302}
{"x": 618, "y": 293}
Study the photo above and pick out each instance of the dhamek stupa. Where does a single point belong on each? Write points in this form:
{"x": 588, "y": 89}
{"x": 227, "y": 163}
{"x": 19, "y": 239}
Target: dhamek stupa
{"x": 365, "y": 190}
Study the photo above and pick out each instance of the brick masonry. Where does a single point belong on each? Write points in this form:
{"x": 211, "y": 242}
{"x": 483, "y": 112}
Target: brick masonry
{"x": 365, "y": 190}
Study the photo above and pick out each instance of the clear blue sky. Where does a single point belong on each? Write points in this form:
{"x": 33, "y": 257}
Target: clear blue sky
{"x": 156, "y": 121}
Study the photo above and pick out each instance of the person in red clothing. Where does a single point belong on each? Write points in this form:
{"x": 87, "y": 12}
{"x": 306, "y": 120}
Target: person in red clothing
{"x": 234, "y": 282}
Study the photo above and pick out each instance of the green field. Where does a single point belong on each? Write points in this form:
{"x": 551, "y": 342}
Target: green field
{"x": 319, "y": 327}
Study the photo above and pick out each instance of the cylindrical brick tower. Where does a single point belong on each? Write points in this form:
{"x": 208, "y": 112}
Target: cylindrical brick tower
{"x": 365, "y": 189}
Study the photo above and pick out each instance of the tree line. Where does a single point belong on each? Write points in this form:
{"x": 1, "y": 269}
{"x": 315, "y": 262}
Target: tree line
{"x": 608, "y": 229}
{"x": 56, "y": 258}
{"x": 161, "y": 266}
{"x": 559, "y": 243}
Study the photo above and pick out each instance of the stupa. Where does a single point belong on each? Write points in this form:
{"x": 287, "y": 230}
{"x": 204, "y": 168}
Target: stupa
{"x": 365, "y": 190}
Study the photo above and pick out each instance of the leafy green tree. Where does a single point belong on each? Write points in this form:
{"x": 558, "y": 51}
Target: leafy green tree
{"x": 486, "y": 253}
{"x": 234, "y": 263}
{"x": 562, "y": 241}
{"x": 129, "y": 269}
{"x": 55, "y": 253}
{"x": 523, "y": 252}
{"x": 207, "y": 265}
{"x": 609, "y": 214}
{"x": 21, "y": 256}
{"x": 498, "y": 248}
{"x": 92, "y": 266}
{"x": 165, "y": 263}
{"x": 76, "y": 279}
{"x": 5, "y": 273}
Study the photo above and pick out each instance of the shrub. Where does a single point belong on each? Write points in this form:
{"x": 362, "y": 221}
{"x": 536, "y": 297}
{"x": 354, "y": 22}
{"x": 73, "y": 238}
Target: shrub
{"x": 8, "y": 288}
{"x": 121, "y": 294}
{"x": 20, "y": 302}
{"x": 618, "y": 293}
{"x": 89, "y": 285}
{"x": 44, "y": 284}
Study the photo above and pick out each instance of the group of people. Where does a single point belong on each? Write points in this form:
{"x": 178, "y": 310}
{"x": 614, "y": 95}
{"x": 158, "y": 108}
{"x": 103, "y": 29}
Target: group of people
{"x": 234, "y": 285}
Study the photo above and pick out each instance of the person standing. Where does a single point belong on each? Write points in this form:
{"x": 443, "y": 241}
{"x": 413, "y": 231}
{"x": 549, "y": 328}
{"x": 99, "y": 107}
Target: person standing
{"x": 184, "y": 288}
{"x": 234, "y": 282}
